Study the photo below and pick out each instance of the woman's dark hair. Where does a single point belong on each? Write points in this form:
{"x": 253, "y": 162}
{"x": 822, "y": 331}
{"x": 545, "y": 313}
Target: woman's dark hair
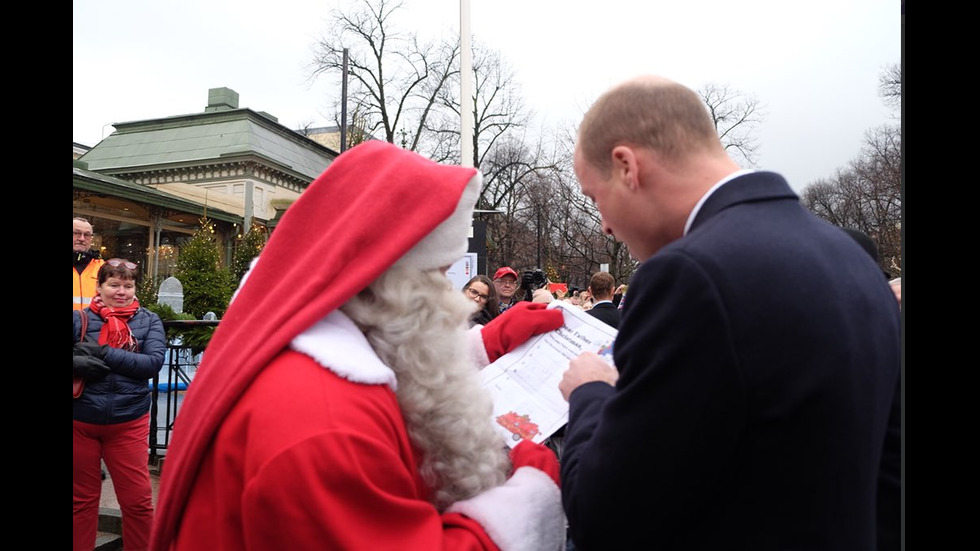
{"x": 117, "y": 267}
{"x": 492, "y": 305}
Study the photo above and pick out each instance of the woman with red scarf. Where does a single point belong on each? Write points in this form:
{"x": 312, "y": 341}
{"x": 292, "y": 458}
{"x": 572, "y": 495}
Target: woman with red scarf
{"x": 123, "y": 348}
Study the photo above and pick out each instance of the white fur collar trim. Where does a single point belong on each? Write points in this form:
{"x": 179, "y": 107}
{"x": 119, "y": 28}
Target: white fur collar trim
{"x": 337, "y": 344}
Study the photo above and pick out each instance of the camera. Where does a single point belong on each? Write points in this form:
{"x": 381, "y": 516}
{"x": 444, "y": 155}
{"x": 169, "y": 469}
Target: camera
{"x": 532, "y": 281}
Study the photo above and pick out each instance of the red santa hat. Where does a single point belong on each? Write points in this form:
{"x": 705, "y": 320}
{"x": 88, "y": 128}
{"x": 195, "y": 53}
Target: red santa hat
{"x": 374, "y": 206}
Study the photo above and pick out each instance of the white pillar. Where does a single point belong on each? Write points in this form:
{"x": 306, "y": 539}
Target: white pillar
{"x": 249, "y": 206}
{"x": 465, "y": 86}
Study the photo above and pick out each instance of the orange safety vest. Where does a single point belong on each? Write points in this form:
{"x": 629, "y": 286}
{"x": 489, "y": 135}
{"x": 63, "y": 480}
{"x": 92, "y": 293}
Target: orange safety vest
{"x": 83, "y": 285}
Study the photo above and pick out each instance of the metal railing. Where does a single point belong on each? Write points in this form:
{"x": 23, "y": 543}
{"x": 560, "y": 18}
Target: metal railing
{"x": 168, "y": 387}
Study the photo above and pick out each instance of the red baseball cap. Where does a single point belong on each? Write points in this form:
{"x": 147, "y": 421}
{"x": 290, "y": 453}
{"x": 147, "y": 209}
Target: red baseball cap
{"x": 506, "y": 270}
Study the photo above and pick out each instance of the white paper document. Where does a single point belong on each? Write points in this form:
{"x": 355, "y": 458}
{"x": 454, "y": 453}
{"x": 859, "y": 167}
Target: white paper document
{"x": 527, "y": 404}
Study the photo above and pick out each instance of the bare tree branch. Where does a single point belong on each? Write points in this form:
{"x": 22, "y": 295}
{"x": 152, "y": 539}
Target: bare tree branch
{"x": 394, "y": 78}
{"x": 867, "y": 195}
{"x": 890, "y": 86}
{"x": 735, "y": 115}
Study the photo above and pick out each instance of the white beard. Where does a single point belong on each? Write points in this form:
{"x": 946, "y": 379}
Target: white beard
{"x": 416, "y": 324}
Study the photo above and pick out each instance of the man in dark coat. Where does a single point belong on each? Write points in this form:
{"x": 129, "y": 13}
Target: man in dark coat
{"x": 601, "y": 287}
{"x": 755, "y": 398}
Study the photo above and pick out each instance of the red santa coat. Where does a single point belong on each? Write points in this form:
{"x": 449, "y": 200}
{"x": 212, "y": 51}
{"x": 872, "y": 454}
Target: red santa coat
{"x": 295, "y": 456}
{"x": 315, "y": 457}
{"x": 279, "y": 473}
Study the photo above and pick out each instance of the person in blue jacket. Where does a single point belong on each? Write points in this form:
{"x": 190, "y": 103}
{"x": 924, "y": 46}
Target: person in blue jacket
{"x": 123, "y": 348}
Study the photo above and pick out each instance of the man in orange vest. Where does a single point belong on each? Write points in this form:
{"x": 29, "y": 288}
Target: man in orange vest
{"x": 86, "y": 263}
{"x": 85, "y": 270}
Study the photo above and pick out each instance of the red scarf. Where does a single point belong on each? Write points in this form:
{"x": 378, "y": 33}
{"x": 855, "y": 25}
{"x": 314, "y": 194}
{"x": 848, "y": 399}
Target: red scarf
{"x": 115, "y": 331}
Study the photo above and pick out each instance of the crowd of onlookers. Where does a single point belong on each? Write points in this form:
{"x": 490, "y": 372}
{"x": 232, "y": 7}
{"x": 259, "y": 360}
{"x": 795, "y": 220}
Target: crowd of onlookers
{"x": 495, "y": 296}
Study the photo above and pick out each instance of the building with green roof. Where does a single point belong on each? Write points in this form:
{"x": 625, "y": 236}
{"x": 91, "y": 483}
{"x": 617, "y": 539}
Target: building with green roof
{"x": 147, "y": 186}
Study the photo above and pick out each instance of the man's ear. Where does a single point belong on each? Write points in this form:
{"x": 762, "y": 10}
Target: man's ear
{"x": 625, "y": 166}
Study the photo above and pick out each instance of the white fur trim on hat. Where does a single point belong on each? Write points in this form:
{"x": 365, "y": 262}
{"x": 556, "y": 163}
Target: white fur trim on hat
{"x": 449, "y": 241}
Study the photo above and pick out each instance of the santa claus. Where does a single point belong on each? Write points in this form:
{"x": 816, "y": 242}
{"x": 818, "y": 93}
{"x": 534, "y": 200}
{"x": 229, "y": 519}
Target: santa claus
{"x": 338, "y": 404}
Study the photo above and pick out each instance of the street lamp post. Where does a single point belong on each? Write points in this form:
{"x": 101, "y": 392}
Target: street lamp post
{"x": 538, "y": 225}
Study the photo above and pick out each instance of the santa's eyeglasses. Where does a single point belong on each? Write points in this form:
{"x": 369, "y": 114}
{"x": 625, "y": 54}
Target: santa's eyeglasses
{"x": 117, "y": 262}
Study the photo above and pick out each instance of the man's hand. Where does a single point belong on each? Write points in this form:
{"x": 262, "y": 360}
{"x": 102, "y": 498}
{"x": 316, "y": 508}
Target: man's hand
{"x": 586, "y": 368}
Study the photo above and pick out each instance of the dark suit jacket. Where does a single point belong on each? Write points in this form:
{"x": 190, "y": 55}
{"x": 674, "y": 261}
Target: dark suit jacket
{"x": 757, "y": 406}
{"x": 605, "y": 312}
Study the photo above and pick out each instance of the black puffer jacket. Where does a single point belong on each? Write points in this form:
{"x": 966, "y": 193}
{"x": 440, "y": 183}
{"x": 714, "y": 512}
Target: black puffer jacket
{"x": 124, "y": 394}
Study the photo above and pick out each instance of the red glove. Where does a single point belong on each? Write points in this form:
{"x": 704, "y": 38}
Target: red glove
{"x": 528, "y": 454}
{"x": 518, "y": 324}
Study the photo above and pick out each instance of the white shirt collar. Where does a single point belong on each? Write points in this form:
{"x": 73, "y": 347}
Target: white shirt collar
{"x": 697, "y": 207}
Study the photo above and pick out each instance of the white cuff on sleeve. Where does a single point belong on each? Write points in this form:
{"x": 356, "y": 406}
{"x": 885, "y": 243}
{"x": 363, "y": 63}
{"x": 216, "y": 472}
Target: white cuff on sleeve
{"x": 478, "y": 350}
{"x": 523, "y": 514}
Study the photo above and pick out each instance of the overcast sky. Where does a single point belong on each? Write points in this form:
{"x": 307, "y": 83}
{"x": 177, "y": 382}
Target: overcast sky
{"x": 814, "y": 67}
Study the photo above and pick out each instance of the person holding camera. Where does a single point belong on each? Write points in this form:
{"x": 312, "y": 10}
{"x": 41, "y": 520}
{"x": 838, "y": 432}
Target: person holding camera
{"x": 510, "y": 290}
{"x": 532, "y": 281}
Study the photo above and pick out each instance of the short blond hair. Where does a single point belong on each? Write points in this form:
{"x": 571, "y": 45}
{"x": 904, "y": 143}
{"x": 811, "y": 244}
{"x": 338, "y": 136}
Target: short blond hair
{"x": 651, "y": 112}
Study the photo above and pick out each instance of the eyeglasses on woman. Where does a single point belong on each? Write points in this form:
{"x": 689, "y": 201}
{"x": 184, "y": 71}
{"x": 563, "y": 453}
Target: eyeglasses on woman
{"x": 473, "y": 293}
